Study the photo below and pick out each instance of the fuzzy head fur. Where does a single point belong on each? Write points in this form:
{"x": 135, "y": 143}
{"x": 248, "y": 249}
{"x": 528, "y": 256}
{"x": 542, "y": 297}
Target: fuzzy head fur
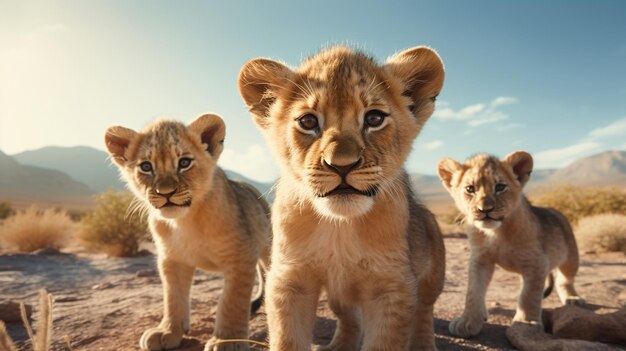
{"x": 485, "y": 189}
{"x": 340, "y": 162}
{"x": 168, "y": 164}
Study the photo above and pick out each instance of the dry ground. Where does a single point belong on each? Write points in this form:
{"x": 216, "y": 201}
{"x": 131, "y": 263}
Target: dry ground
{"x": 106, "y": 303}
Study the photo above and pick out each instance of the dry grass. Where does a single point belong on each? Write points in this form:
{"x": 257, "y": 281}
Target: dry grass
{"x": 112, "y": 228}
{"x": 34, "y": 229}
{"x": 602, "y": 233}
{"x": 451, "y": 222}
{"x": 578, "y": 202}
{"x": 6, "y": 210}
{"x": 43, "y": 339}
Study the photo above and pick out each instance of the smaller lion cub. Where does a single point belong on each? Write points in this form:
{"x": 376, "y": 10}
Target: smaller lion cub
{"x": 505, "y": 229}
{"x": 198, "y": 219}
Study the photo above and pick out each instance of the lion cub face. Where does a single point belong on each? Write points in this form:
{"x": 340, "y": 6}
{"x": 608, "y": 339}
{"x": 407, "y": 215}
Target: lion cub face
{"x": 342, "y": 125}
{"x": 168, "y": 165}
{"x": 484, "y": 188}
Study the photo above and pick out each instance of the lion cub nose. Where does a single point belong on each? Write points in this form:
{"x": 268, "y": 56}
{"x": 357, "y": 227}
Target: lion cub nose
{"x": 342, "y": 170}
{"x": 166, "y": 188}
{"x": 485, "y": 209}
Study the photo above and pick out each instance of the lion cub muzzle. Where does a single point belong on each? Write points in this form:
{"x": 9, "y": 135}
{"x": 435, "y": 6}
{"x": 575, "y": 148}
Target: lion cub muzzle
{"x": 167, "y": 192}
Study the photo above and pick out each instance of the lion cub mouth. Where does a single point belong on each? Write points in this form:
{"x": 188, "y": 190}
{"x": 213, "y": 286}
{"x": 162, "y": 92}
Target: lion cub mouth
{"x": 488, "y": 218}
{"x": 171, "y": 204}
{"x": 345, "y": 189}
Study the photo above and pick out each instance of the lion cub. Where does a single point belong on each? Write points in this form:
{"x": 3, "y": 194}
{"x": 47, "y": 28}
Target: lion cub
{"x": 198, "y": 218}
{"x": 505, "y": 229}
{"x": 345, "y": 218}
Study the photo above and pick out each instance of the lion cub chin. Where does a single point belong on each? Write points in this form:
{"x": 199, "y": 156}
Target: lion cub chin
{"x": 345, "y": 218}
{"x": 198, "y": 219}
{"x": 504, "y": 229}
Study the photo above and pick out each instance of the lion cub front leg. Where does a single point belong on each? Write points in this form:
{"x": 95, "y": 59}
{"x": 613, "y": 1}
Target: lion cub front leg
{"x": 531, "y": 296}
{"x": 388, "y": 316}
{"x": 475, "y": 314}
{"x": 348, "y": 333}
{"x": 176, "y": 279}
{"x": 233, "y": 310}
{"x": 291, "y": 304}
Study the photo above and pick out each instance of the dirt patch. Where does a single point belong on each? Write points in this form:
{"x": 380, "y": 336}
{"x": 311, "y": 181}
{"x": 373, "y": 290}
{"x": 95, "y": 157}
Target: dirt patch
{"x": 106, "y": 303}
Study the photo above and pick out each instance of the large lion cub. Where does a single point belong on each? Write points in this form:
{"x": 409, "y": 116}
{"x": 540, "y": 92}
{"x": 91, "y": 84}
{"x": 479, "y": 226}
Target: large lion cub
{"x": 345, "y": 218}
{"x": 198, "y": 218}
{"x": 504, "y": 229}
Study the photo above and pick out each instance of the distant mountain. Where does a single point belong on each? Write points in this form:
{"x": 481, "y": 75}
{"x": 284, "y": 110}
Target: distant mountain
{"x": 84, "y": 164}
{"x": 606, "y": 168}
{"x": 93, "y": 168}
{"x": 264, "y": 188}
{"x": 27, "y": 182}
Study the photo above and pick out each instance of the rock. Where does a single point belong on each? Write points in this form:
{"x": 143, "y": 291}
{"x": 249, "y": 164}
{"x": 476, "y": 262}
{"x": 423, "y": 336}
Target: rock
{"x": 573, "y": 322}
{"x": 48, "y": 251}
{"x": 10, "y": 311}
{"x": 102, "y": 286}
{"x": 528, "y": 337}
{"x": 146, "y": 273}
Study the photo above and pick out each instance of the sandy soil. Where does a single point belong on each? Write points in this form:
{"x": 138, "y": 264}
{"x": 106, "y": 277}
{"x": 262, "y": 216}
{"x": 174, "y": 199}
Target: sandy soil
{"x": 106, "y": 303}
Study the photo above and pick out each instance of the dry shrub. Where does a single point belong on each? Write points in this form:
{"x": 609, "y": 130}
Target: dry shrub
{"x": 452, "y": 223}
{"x": 6, "y": 210}
{"x": 34, "y": 229}
{"x": 112, "y": 228}
{"x": 602, "y": 233}
{"x": 578, "y": 202}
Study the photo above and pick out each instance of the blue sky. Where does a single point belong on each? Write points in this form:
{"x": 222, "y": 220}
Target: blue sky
{"x": 547, "y": 77}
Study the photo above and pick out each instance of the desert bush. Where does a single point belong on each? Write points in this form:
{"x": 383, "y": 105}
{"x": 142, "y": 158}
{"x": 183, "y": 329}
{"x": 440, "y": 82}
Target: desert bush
{"x": 602, "y": 233}
{"x": 6, "y": 210}
{"x": 112, "y": 228}
{"x": 578, "y": 202}
{"x": 452, "y": 222}
{"x": 34, "y": 229}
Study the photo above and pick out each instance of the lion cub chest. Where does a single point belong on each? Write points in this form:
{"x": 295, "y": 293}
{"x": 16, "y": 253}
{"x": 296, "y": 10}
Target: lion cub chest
{"x": 337, "y": 254}
{"x": 187, "y": 244}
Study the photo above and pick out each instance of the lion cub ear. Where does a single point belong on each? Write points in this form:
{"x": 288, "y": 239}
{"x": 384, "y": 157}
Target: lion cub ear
{"x": 260, "y": 80}
{"x": 521, "y": 164}
{"x": 422, "y": 72}
{"x": 211, "y": 130}
{"x": 116, "y": 140}
{"x": 447, "y": 168}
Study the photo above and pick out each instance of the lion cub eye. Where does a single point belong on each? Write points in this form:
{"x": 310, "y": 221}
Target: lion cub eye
{"x": 145, "y": 167}
{"x": 375, "y": 118}
{"x": 308, "y": 122}
{"x": 500, "y": 187}
{"x": 470, "y": 189}
{"x": 184, "y": 163}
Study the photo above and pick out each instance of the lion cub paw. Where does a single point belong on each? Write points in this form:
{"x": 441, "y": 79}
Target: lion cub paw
{"x": 217, "y": 344}
{"x": 160, "y": 339}
{"x": 465, "y": 327}
{"x": 575, "y": 301}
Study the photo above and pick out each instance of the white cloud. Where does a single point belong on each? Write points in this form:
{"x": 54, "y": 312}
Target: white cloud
{"x": 503, "y": 100}
{"x": 255, "y": 163}
{"x": 557, "y": 158}
{"x": 433, "y": 145}
{"x": 614, "y": 129}
{"x": 477, "y": 114}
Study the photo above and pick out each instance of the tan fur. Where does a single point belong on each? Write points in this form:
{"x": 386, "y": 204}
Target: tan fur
{"x": 378, "y": 254}
{"x": 521, "y": 238}
{"x": 219, "y": 225}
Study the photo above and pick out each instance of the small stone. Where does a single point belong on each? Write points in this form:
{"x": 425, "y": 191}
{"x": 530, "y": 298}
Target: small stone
{"x": 102, "y": 286}
{"x": 10, "y": 311}
{"x": 146, "y": 273}
{"x": 48, "y": 251}
{"x": 495, "y": 304}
